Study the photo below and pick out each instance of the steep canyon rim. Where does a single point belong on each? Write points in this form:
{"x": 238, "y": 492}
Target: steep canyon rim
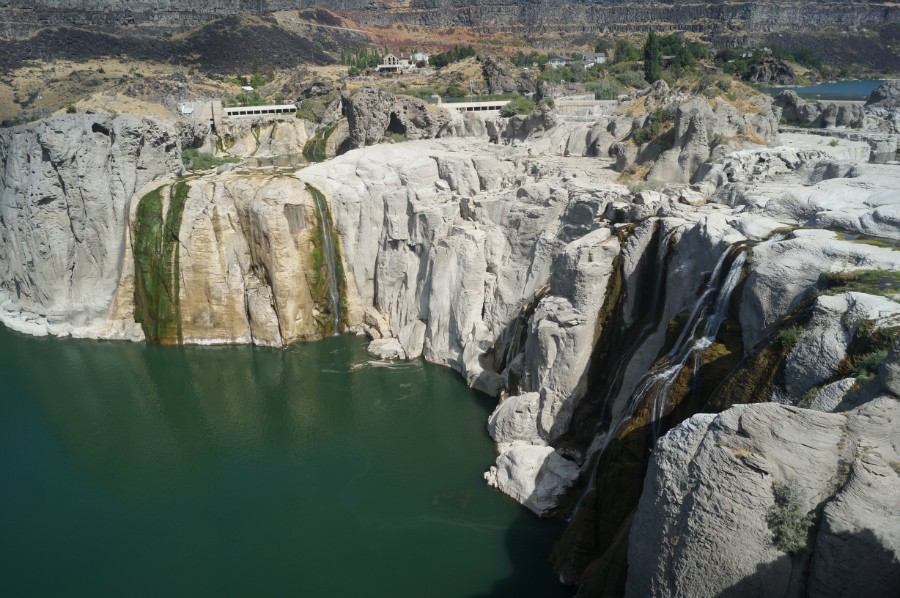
{"x": 746, "y": 258}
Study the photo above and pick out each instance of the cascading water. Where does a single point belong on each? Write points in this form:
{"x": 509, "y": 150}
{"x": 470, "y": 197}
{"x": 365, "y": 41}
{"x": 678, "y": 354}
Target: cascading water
{"x": 330, "y": 259}
{"x": 698, "y": 334}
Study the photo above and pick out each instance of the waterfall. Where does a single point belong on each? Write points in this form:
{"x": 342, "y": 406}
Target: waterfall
{"x": 697, "y": 335}
{"x": 330, "y": 259}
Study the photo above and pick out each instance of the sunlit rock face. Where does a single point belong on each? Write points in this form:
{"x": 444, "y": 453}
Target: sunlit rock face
{"x": 602, "y": 311}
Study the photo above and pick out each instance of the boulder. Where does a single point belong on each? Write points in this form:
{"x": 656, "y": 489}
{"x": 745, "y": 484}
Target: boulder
{"x": 373, "y": 113}
{"x": 702, "y": 525}
{"x": 886, "y": 95}
{"x": 772, "y": 71}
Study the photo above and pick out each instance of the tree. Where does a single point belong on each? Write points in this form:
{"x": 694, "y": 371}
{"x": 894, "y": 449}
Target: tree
{"x": 652, "y": 58}
{"x": 625, "y": 51}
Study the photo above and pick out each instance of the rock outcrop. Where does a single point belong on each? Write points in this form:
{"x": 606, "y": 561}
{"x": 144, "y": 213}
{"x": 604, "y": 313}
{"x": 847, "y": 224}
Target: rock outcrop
{"x": 503, "y": 77}
{"x": 772, "y": 71}
{"x": 66, "y": 185}
{"x": 796, "y": 110}
{"x": 373, "y": 113}
{"x": 702, "y": 529}
{"x": 886, "y": 95}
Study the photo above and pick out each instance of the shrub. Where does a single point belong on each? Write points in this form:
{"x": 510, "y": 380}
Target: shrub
{"x": 454, "y": 91}
{"x": 654, "y": 125}
{"x": 70, "y": 109}
{"x": 867, "y": 365}
{"x": 519, "y": 105}
{"x": 632, "y": 79}
{"x": 788, "y": 518}
{"x": 788, "y": 337}
{"x": 834, "y": 143}
{"x": 605, "y": 89}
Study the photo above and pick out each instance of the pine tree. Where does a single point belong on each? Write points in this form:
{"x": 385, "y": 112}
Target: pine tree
{"x": 652, "y": 58}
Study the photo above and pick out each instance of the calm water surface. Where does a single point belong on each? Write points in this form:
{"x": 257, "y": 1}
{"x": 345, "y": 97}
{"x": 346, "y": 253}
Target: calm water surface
{"x": 131, "y": 470}
{"x": 840, "y": 90}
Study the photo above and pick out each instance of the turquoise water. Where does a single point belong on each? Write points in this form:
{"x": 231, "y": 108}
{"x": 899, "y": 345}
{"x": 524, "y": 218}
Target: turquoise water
{"x": 133, "y": 470}
{"x": 840, "y": 90}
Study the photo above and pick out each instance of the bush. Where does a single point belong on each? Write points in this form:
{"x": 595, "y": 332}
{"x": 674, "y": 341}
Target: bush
{"x": 454, "y": 91}
{"x": 866, "y": 366}
{"x": 654, "y": 126}
{"x": 605, "y": 89}
{"x": 70, "y": 109}
{"x": 455, "y": 55}
{"x": 632, "y": 79}
{"x": 518, "y": 105}
{"x": 788, "y": 518}
{"x": 788, "y": 337}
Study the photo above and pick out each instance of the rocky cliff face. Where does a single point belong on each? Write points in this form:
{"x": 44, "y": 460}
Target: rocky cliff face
{"x": 603, "y": 318}
{"x": 542, "y": 16}
{"x": 536, "y": 17}
{"x": 719, "y": 476}
{"x": 67, "y": 184}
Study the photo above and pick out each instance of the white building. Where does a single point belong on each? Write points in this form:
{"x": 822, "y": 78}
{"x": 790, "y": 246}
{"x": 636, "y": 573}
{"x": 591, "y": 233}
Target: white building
{"x": 592, "y": 58}
{"x": 559, "y": 60}
{"x": 395, "y": 64}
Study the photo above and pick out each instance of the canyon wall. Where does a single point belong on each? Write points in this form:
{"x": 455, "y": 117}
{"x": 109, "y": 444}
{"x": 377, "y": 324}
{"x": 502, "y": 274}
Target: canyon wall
{"x": 518, "y": 16}
{"x": 604, "y": 317}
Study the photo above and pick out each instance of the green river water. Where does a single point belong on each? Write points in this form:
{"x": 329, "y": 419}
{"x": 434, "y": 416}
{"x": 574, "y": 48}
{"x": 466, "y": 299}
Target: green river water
{"x": 135, "y": 470}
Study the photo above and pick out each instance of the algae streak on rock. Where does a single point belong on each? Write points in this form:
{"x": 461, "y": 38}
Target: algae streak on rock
{"x": 246, "y": 265}
{"x": 156, "y": 251}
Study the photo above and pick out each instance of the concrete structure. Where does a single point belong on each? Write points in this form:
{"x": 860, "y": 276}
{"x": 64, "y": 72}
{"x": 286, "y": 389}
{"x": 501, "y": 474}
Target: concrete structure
{"x": 210, "y": 111}
{"x": 239, "y": 111}
{"x": 492, "y": 108}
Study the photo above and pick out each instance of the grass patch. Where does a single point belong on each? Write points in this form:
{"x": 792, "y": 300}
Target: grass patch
{"x": 518, "y": 105}
{"x": 873, "y": 282}
{"x": 194, "y": 159}
{"x": 788, "y": 337}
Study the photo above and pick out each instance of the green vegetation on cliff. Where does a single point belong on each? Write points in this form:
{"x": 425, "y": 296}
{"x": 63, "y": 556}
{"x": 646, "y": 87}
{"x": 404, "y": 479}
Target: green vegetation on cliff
{"x": 315, "y": 148}
{"x": 156, "y": 252}
{"x": 319, "y": 280}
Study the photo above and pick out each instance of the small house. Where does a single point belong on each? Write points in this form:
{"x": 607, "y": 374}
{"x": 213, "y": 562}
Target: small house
{"x": 559, "y": 60}
{"x": 592, "y": 58}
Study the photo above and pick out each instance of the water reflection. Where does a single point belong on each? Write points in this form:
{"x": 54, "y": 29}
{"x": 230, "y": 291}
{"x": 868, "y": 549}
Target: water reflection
{"x": 239, "y": 471}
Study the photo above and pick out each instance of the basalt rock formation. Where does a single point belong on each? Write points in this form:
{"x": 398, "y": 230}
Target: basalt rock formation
{"x": 530, "y": 17}
{"x": 773, "y": 71}
{"x": 796, "y": 110}
{"x": 753, "y": 283}
{"x": 373, "y": 113}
